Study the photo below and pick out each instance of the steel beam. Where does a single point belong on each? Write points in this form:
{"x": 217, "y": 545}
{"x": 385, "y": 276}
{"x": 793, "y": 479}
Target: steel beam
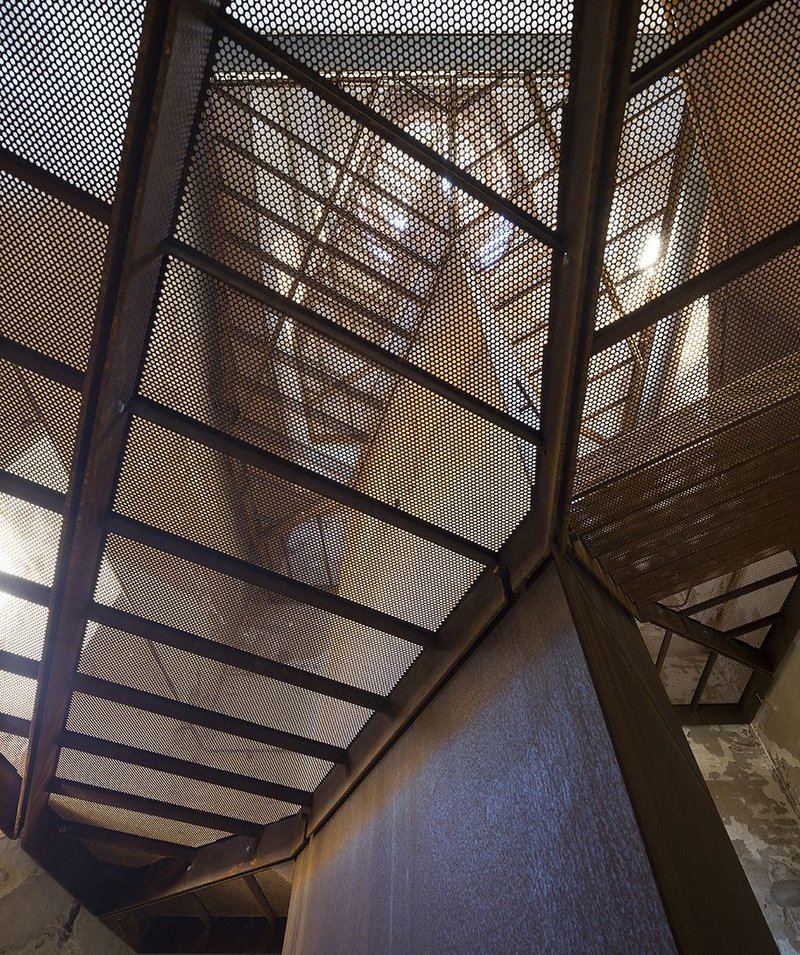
{"x": 261, "y": 900}
{"x": 695, "y": 42}
{"x": 111, "y": 839}
{"x": 188, "y": 713}
{"x": 267, "y": 579}
{"x": 303, "y": 477}
{"x": 57, "y": 188}
{"x": 605, "y": 36}
{"x": 218, "y": 862}
{"x": 24, "y": 589}
{"x": 709, "y": 281}
{"x": 15, "y": 725}
{"x": 702, "y": 683}
{"x": 361, "y": 346}
{"x": 705, "y": 636}
{"x": 172, "y": 66}
{"x": 369, "y": 118}
{"x": 40, "y": 364}
{"x": 153, "y": 807}
{"x": 233, "y": 656}
{"x": 83, "y": 743}
{"x": 742, "y": 591}
{"x": 29, "y": 491}
{"x": 19, "y": 665}
{"x": 10, "y": 782}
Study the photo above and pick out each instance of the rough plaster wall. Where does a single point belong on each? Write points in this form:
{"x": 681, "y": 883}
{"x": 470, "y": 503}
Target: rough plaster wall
{"x": 760, "y": 819}
{"x": 778, "y": 723}
{"x": 38, "y": 916}
{"x": 498, "y": 823}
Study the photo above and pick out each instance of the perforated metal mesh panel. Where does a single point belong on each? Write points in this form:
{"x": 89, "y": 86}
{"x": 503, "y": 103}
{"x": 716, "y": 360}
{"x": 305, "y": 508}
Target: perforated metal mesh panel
{"x": 17, "y": 695}
{"x": 160, "y": 734}
{"x": 256, "y": 374}
{"x": 231, "y": 898}
{"x": 136, "y": 780}
{"x": 707, "y": 164}
{"x": 134, "y": 823}
{"x": 682, "y": 668}
{"x": 22, "y": 626}
{"x": 184, "y": 595}
{"x": 662, "y": 25}
{"x": 727, "y": 682}
{"x": 143, "y": 665}
{"x": 277, "y": 889}
{"x": 30, "y": 539}
{"x": 15, "y": 750}
{"x": 73, "y": 66}
{"x": 287, "y": 529}
{"x": 469, "y": 80}
{"x": 51, "y": 257}
{"x": 40, "y": 423}
{"x": 688, "y": 428}
{"x": 365, "y": 236}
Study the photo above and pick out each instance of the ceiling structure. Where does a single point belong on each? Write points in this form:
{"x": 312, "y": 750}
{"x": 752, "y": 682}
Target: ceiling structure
{"x": 319, "y": 327}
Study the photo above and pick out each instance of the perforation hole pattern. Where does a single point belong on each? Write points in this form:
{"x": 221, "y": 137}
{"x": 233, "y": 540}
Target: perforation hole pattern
{"x": 481, "y": 84}
{"x": 180, "y": 594}
{"x": 313, "y": 206}
{"x": 73, "y": 66}
{"x": 134, "y": 823}
{"x": 661, "y": 25}
{"x": 298, "y": 394}
{"x": 166, "y": 671}
{"x": 153, "y": 784}
{"x": 22, "y": 626}
{"x": 707, "y": 162}
{"x": 51, "y": 260}
{"x": 41, "y": 420}
{"x": 168, "y": 737}
{"x": 287, "y": 529}
{"x": 30, "y": 537}
{"x": 15, "y": 750}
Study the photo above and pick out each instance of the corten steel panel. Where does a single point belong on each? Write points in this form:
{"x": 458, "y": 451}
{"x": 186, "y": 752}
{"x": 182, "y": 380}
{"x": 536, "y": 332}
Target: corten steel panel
{"x": 519, "y": 837}
{"x": 708, "y": 901}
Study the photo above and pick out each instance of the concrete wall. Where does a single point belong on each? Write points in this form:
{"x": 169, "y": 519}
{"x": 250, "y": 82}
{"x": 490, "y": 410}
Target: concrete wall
{"x": 498, "y": 823}
{"x": 38, "y": 916}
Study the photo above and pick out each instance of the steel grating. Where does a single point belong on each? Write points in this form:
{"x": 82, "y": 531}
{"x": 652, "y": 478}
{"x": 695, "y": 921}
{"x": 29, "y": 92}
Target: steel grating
{"x": 128, "y": 778}
{"x": 182, "y": 594}
{"x": 368, "y": 239}
{"x": 162, "y": 735}
{"x": 51, "y": 257}
{"x": 73, "y": 67}
{"x": 662, "y": 26}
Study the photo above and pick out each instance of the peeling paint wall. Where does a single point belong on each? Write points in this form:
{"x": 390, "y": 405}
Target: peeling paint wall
{"x": 761, "y": 819}
{"x": 778, "y": 724}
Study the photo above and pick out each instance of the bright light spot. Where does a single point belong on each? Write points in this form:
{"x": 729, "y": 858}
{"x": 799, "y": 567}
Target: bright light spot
{"x": 380, "y": 253}
{"x": 398, "y": 221}
{"x": 496, "y": 247}
{"x": 651, "y": 250}
{"x": 447, "y": 187}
